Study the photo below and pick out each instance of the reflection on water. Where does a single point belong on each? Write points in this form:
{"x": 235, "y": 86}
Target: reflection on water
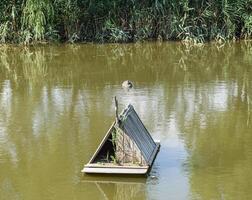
{"x": 56, "y": 103}
{"x": 111, "y": 187}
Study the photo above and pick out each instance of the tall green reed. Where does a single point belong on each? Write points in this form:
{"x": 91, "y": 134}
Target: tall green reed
{"x": 124, "y": 20}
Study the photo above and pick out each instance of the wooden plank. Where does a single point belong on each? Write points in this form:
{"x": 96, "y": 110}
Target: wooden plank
{"x": 114, "y": 170}
{"x": 154, "y": 153}
{"x": 102, "y": 192}
{"x": 91, "y": 165}
{"x": 123, "y": 181}
{"x": 102, "y": 143}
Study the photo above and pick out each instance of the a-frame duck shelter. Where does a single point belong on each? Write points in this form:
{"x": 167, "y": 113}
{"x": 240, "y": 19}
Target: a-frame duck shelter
{"x": 127, "y": 148}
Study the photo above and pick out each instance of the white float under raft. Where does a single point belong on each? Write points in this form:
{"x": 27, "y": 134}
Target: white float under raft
{"x": 127, "y": 148}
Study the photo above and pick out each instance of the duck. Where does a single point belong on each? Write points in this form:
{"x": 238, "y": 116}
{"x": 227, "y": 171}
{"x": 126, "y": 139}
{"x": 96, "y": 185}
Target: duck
{"x": 127, "y": 84}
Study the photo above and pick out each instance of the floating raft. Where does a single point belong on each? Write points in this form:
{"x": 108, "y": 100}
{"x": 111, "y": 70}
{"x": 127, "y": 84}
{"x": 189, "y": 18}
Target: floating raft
{"x": 127, "y": 148}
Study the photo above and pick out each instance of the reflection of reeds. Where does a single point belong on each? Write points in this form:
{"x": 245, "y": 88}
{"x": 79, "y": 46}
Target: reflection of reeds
{"x": 20, "y": 64}
{"x": 249, "y": 110}
{"x": 5, "y": 63}
{"x": 246, "y": 96}
{"x": 170, "y": 61}
{"x": 34, "y": 66}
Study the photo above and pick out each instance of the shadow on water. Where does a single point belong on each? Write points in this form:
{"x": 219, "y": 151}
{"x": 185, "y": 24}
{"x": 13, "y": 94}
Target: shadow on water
{"x": 56, "y": 104}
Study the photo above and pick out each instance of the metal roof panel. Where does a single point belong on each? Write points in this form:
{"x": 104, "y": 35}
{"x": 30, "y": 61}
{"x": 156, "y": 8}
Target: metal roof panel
{"x": 132, "y": 125}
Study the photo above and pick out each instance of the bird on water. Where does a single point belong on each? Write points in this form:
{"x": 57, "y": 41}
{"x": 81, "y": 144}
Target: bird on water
{"x": 127, "y": 84}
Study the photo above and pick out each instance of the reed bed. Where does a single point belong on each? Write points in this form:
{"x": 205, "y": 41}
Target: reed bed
{"x": 32, "y": 21}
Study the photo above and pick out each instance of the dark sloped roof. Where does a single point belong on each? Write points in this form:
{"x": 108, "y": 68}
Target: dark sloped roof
{"x": 134, "y": 128}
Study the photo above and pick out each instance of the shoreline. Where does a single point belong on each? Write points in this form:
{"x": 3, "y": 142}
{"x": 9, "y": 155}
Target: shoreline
{"x": 182, "y": 42}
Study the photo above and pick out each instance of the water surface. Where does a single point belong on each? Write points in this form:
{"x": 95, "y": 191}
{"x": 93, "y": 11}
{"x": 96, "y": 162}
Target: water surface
{"x": 56, "y": 104}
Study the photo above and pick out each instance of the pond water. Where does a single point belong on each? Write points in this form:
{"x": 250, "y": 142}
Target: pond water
{"x": 56, "y": 104}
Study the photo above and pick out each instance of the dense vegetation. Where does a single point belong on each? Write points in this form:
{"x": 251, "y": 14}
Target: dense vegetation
{"x": 26, "y": 21}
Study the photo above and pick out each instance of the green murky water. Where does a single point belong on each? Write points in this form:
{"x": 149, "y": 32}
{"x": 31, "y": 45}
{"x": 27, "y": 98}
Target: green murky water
{"x": 56, "y": 103}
